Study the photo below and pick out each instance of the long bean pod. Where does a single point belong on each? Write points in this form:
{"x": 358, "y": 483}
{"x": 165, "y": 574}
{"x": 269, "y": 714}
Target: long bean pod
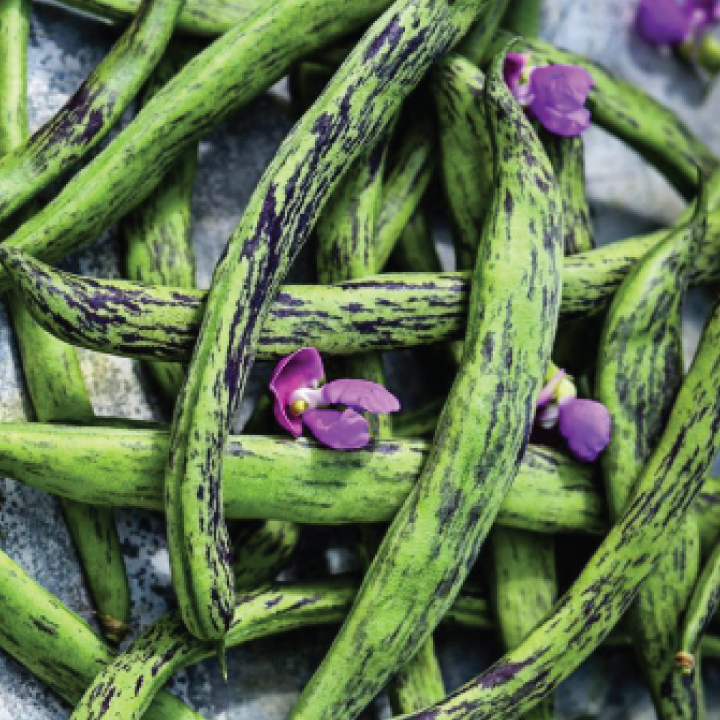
{"x": 261, "y": 551}
{"x": 346, "y": 251}
{"x": 383, "y": 312}
{"x": 56, "y": 645}
{"x": 284, "y": 479}
{"x": 665, "y": 492}
{"x": 205, "y": 18}
{"x": 92, "y": 111}
{"x": 158, "y": 232}
{"x": 630, "y": 114}
{"x": 236, "y": 68}
{"x": 434, "y": 539}
{"x": 351, "y": 114}
{"x": 51, "y": 368}
{"x": 639, "y": 371}
{"x": 466, "y": 162}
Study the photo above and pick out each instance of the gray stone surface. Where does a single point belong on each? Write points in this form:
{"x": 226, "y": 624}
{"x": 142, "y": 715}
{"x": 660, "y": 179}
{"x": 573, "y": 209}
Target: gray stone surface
{"x": 267, "y": 676}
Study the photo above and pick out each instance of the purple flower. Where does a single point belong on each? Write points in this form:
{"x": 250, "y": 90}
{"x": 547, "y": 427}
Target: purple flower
{"x": 555, "y": 95}
{"x": 669, "y": 23}
{"x": 298, "y": 395}
{"x": 583, "y": 424}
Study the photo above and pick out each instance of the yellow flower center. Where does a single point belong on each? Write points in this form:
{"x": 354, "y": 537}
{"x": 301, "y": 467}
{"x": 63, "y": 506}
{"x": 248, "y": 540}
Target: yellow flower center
{"x": 298, "y": 407}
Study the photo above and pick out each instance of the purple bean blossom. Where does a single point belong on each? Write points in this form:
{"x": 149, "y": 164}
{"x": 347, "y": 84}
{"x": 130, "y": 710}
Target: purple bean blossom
{"x": 301, "y": 400}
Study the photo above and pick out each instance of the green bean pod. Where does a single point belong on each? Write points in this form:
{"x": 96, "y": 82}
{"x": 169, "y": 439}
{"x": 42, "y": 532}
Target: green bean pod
{"x": 260, "y": 552}
{"x": 466, "y": 160}
{"x": 158, "y": 232}
{"x": 628, "y": 113}
{"x": 411, "y": 169}
{"x": 51, "y": 368}
{"x": 415, "y": 251}
{"x": 204, "y": 18}
{"x": 567, "y": 156}
{"x": 350, "y": 116}
{"x": 701, "y": 609}
{"x": 236, "y": 68}
{"x": 665, "y": 492}
{"x": 384, "y": 312}
{"x": 92, "y": 111}
{"x": 437, "y": 534}
{"x": 57, "y": 646}
{"x": 639, "y": 371}
{"x": 524, "y": 591}
{"x": 523, "y": 18}
{"x": 346, "y": 251}
{"x": 306, "y": 81}
{"x": 284, "y": 479}
{"x": 477, "y": 41}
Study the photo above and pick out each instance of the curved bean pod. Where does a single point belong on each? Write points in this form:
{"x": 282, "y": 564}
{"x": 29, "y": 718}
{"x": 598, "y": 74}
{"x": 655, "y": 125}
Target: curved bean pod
{"x": 92, "y": 111}
{"x": 383, "y": 312}
{"x": 706, "y": 508}
{"x": 286, "y": 479}
{"x": 434, "y": 539}
{"x": 639, "y": 371}
{"x": 158, "y": 232}
{"x": 628, "y": 113}
{"x": 236, "y": 68}
{"x": 205, "y": 18}
{"x": 466, "y": 160}
{"x": 665, "y": 492}
{"x": 57, "y": 646}
{"x": 352, "y": 113}
{"x": 701, "y": 609}
{"x": 51, "y": 368}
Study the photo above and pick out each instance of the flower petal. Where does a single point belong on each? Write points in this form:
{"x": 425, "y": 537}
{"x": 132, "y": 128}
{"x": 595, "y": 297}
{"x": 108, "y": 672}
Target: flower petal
{"x": 338, "y": 429}
{"x": 559, "y": 95}
{"x": 664, "y": 22}
{"x": 360, "y": 394}
{"x": 515, "y": 65}
{"x": 585, "y": 425}
{"x": 303, "y": 368}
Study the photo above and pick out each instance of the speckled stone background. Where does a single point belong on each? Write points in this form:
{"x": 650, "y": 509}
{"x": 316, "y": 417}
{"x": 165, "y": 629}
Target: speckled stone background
{"x": 265, "y": 677}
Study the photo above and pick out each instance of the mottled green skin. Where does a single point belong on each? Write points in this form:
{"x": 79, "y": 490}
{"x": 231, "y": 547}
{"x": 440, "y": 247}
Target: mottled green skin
{"x": 92, "y": 111}
{"x": 628, "y": 113}
{"x": 383, "y": 312}
{"x": 56, "y": 645}
{"x": 567, "y": 156}
{"x": 419, "y": 423}
{"x": 51, "y": 368}
{"x": 434, "y": 539}
{"x": 158, "y": 232}
{"x": 350, "y": 116}
{"x": 639, "y": 372}
{"x": 524, "y": 590}
{"x": 523, "y": 17}
{"x": 286, "y": 479}
{"x": 583, "y": 618}
{"x": 236, "y": 68}
{"x": 205, "y": 18}
{"x": 466, "y": 156}
{"x": 261, "y": 551}
{"x": 476, "y": 43}
{"x": 411, "y": 169}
